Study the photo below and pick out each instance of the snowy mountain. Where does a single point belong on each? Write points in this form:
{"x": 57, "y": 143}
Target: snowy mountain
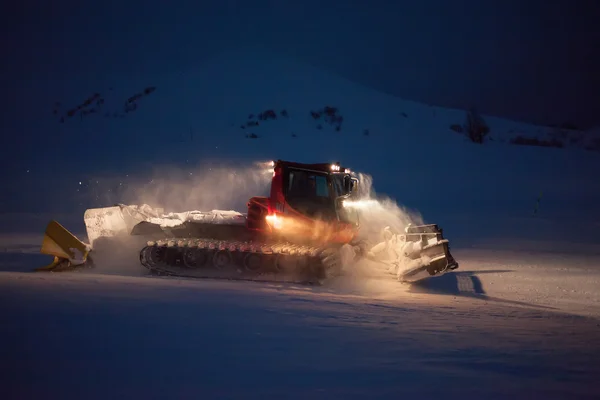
{"x": 249, "y": 106}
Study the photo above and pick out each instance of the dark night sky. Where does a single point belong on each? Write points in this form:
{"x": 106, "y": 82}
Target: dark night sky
{"x": 531, "y": 60}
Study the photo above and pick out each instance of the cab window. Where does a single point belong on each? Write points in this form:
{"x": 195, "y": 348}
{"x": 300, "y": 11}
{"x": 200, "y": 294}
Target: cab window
{"x": 321, "y": 186}
{"x": 307, "y": 184}
{"x": 338, "y": 186}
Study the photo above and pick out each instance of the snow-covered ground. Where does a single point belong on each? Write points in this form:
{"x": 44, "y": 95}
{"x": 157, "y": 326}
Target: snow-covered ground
{"x": 507, "y": 323}
{"x": 520, "y": 317}
{"x": 504, "y": 325}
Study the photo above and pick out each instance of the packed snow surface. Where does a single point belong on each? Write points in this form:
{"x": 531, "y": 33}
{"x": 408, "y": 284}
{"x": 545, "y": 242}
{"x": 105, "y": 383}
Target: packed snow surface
{"x": 504, "y": 324}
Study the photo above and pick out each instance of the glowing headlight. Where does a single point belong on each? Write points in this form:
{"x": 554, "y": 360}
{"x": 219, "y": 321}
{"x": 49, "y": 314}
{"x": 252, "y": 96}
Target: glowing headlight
{"x": 275, "y": 221}
{"x": 335, "y": 167}
{"x": 359, "y": 203}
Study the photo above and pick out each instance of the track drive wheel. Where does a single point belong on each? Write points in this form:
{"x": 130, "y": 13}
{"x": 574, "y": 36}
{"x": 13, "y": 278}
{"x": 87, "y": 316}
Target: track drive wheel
{"x": 194, "y": 258}
{"x": 253, "y": 262}
{"x": 221, "y": 259}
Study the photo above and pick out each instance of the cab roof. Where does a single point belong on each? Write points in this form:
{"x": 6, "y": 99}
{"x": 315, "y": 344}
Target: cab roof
{"x": 322, "y": 167}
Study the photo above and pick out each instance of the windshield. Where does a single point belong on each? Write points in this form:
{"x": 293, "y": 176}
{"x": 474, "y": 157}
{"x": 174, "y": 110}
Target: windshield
{"x": 307, "y": 184}
{"x": 309, "y": 192}
{"x": 345, "y": 214}
{"x": 338, "y": 185}
{"x": 314, "y": 194}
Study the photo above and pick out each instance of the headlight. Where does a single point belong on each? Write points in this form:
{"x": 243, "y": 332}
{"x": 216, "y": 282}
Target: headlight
{"x": 275, "y": 221}
{"x": 361, "y": 204}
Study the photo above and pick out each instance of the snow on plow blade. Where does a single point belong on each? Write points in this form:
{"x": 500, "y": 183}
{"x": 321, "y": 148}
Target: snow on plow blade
{"x": 109, "y": 222}
{"x": 430, "y": 246}
{"x": 68, "y": 251}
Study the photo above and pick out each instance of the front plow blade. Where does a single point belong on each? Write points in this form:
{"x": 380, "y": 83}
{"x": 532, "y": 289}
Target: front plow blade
{"x": 68, "y": 251}
{"x": 431, "y": 249}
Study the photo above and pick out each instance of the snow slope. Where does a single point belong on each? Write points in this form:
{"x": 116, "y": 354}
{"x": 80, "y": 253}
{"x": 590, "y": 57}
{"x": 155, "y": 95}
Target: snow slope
{"x": 195, "y": 116}
{"x": 519, "y": 318}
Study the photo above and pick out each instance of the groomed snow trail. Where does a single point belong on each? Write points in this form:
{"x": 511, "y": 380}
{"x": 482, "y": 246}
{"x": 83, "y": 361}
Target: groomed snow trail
{"x": 500, "y": 326}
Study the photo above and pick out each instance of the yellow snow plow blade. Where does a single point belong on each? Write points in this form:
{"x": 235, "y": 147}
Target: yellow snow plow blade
{"x": 68, "y": 251}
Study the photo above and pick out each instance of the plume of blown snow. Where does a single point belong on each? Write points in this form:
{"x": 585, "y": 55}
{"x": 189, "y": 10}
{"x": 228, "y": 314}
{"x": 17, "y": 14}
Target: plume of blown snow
{"x": 174, "y": 189}
{"x": 376, "y": 212}
{"x": 380, "y": 211}
{"x": 204, "y": 188}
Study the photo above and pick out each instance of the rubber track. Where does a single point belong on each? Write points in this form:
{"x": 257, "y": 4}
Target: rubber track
{"x": 320, "y": 259}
